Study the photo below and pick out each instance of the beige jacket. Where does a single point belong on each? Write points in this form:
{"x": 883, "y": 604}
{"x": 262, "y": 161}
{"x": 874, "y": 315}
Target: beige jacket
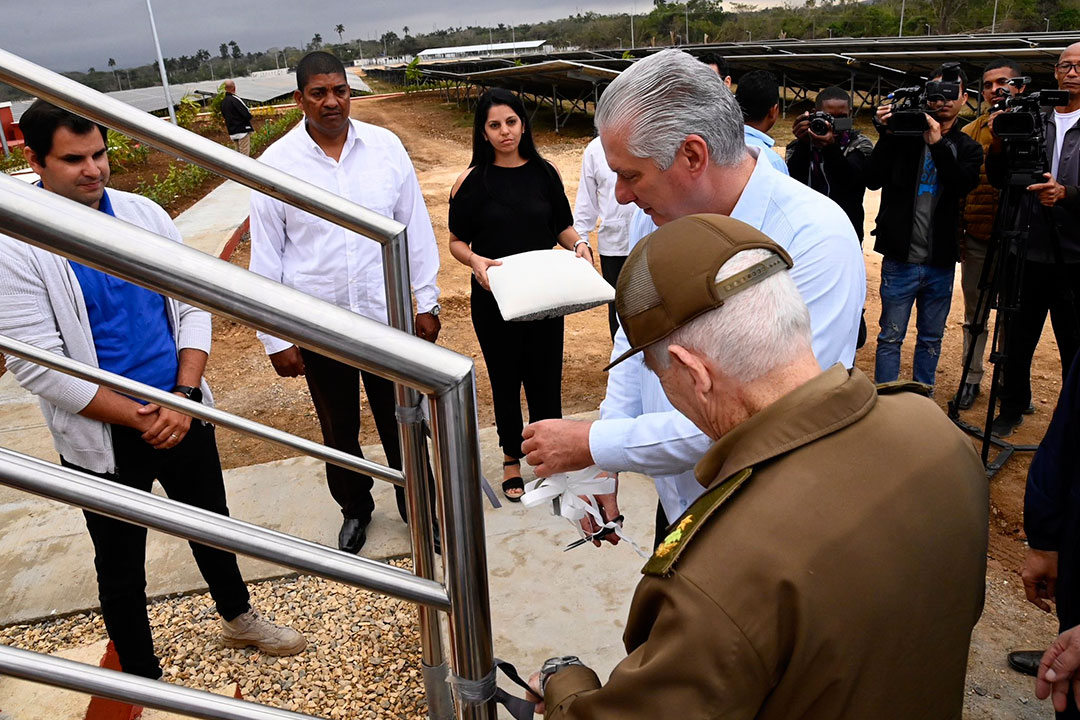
{"x": 841, "y": 578}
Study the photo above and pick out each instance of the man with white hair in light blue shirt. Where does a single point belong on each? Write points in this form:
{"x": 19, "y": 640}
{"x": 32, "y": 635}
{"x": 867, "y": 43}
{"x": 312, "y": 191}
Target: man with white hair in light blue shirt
{"x": 673, "y": 134}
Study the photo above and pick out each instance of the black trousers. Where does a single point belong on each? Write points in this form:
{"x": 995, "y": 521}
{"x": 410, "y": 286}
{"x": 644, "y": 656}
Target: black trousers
{"x": 527, "y": 353}
{"x": 1047, "y": 288}
{"x": 335, "y": 390}
{"x": 610, "y": 267}
{"x": 189, "y": 473}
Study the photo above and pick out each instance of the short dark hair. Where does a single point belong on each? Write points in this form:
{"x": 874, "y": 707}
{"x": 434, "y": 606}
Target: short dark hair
{"x": 833, "y": 92}
{"x": 1003, "y": 62}
{"x": 317, "y": 63}
{"x": 711, "y": 58}
{"x": 940, "y": 70}
{"x": 757, "y": 92}
{"x": 41, "y": 120}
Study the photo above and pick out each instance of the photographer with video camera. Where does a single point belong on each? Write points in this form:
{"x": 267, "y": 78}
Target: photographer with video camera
{"x": 830, "y": 155}
{"x": 1049, "y": 277}
{"x": 924, "y": 166}
{"x": 977, "y": 224}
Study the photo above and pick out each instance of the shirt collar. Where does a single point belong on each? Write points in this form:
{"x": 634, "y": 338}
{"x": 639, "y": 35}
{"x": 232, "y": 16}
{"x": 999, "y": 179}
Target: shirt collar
{"x": 351, "y": 138}
{"x": 756, "y": 196}
{"x": 755, "y": 133}
{"x": 829, "y": 402}
{"x": 104, "y": 206}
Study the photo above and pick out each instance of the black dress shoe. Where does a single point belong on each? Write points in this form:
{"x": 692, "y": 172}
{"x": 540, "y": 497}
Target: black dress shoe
{"x": 966, "y": 397}
{"x": 1026, "y": 661}
{"x": 353, "y": 535}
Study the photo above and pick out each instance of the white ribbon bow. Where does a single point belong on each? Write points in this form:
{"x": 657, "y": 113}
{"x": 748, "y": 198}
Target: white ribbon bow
{"x": 568, "y": 489}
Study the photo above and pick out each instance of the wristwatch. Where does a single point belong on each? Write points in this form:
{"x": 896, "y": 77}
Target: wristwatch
{"x": 191, "y": 393}
{"x": 434, "y": 311}
{"x": 554, "y": 665}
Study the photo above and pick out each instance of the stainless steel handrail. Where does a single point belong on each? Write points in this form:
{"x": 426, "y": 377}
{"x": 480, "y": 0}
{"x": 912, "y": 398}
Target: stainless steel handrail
{"x": 437, "y": 373}
{"x": 80, "y": 233}
{"x": 131, "y": 688}
{"x": 64, "y": 364}
{"x": 209, "y": 528}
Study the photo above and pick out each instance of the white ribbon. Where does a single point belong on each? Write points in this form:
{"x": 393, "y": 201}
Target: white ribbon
{"x": 576, "y": 494}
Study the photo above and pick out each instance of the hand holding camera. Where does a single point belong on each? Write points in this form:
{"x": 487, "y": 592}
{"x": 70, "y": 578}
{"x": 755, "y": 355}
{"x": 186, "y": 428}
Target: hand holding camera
{"x": 820, "y": 128}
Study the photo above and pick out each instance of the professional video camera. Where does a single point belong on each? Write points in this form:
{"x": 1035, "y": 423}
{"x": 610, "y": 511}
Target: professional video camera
{"x": 911, "y": 104}
{"x": 822, "y": 122}
{"x": 1022, "y": 114}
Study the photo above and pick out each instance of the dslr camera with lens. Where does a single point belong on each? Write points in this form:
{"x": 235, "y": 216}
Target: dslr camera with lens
{"x": 822, "y": 122}
{"x": 911, "y": 104}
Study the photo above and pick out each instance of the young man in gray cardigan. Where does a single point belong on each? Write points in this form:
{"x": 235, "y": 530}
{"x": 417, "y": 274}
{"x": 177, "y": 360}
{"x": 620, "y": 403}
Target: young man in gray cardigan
{"x": 70, "y": 309}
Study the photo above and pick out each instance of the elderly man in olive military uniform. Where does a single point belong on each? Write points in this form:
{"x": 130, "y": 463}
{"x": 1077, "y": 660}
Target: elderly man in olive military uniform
{"x": 834, "y": 568}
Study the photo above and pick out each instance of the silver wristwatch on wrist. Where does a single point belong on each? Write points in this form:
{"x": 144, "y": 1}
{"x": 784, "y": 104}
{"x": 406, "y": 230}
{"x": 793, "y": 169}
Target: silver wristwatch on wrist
{"x": 554, "y": 665}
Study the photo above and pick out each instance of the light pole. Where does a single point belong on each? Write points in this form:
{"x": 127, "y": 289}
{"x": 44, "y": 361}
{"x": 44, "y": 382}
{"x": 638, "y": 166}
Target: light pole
{"x": 632, "y": 14}
{"x": 686, "y": 10}
{"x": 161, "y": 64}
{"x": 749, "y": 36}
{"x": 620, "y": 41}
{"x": 927, "y": 29}
{"x": 1047, "y": 24}
{"x": 901, "y": 33}
{"x": 830, "y": 33}
{"x": 993, "y": 22}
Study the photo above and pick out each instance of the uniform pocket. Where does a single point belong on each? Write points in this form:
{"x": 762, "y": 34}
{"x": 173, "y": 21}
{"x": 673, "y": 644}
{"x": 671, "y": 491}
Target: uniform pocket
{"x": 17, "y": 311}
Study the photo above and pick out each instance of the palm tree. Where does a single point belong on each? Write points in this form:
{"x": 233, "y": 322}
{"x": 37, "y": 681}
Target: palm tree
{"x": 340, "y": 30}
{"x": 405, "y": 31}
{"x": 112, "y": 66}
{"x": 316, "y": 41}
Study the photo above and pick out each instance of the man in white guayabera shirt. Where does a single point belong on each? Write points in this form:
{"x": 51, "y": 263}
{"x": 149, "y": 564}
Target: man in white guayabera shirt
{"x": 673, "y": 134}
{"x": 368, "y": 165}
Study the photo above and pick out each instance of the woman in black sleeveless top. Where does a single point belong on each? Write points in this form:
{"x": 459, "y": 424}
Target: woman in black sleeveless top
{"x": 510, "y": 201}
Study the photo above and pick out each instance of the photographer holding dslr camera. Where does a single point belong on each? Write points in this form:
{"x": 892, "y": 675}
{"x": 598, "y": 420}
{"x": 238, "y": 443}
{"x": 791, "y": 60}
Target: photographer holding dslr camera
{"x": 1049, "y": 212}
{"x": 829, "y": 155}
{"x": 924, "y": 166}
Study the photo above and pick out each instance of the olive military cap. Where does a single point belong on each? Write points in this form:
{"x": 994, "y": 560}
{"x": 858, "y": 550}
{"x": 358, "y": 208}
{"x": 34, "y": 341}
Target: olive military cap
{"x": 671, "y": 277}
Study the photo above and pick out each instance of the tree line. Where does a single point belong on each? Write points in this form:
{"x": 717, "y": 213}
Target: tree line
{"x": 666, "y": 23}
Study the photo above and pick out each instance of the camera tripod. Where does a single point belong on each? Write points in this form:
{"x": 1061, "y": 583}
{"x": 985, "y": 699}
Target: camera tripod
{"x": 1001, "y": 285}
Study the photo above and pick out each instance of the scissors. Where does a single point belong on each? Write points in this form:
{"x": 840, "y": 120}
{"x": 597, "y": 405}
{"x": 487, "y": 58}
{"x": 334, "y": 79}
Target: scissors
{"x": 604, "y": 532}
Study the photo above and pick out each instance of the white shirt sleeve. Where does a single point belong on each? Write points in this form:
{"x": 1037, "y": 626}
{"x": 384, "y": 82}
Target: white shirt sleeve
{"x": 586, "y": 206}
{"x": 628, "y": 439}
{"x": 267, "y": 226}
{"x": 423, "y": 250}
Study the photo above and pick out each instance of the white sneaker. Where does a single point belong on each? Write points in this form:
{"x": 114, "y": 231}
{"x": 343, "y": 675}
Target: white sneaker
{"x": 252, "y": 629}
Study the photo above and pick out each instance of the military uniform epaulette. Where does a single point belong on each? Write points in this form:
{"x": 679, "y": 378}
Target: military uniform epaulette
{"x": 904, "y": 386}
{"x": 663, "y": 560}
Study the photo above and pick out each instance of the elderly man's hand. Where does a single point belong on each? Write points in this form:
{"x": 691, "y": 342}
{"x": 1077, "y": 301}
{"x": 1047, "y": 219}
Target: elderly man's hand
{"x": 1039, "y": 573}
{"x": 557, "y": 446}
{"x": 536, "y": 696}
{"x": 1058, "y": 669}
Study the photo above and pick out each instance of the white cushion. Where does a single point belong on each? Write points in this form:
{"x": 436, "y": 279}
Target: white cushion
{"x": 546, "y": 283}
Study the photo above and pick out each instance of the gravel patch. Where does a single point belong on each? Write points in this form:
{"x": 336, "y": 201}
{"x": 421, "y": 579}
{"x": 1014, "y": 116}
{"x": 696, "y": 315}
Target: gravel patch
{"x": 362, "y": 661}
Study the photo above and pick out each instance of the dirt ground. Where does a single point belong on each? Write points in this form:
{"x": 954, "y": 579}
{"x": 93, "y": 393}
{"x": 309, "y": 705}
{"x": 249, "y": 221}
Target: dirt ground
{"x": 437, "y": 136}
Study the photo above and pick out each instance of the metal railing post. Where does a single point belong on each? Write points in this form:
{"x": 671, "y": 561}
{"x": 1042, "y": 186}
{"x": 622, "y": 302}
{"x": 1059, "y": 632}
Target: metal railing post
{"x": 457, "y": 445}
{"x": 414, "y": 457}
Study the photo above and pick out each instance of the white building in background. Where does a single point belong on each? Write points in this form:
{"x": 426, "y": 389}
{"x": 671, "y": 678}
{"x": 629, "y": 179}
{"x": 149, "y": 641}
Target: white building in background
{"x": 269, "y": 73}
{"x": 462, "y": 51}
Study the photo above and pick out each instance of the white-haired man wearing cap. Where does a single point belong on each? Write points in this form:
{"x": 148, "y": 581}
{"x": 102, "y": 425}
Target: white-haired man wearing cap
{"x": 673, "y": 134}
{"x": 827, "y": 571}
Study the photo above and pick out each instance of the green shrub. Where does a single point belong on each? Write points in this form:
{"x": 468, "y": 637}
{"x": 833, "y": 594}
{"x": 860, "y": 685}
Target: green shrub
{"x": 126, "y": 152}
{"x": 14, "y": 161}
{"x": 186, "y": 112}
{"x": 273, "y": 129}
{"x": 215, "y": 103}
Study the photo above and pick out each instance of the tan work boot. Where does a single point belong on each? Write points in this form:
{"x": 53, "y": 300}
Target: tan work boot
{"x": 252, "y": 629}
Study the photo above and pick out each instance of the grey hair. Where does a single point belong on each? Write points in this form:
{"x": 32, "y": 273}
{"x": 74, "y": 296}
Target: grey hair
{"x": 754, "y": 332}
{"x": 661, "y": 99}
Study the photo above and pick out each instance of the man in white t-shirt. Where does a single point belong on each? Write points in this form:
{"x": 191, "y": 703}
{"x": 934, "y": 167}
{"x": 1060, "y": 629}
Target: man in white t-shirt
{"x": 1050, "y": 281}
{"x": 596, "y": 200}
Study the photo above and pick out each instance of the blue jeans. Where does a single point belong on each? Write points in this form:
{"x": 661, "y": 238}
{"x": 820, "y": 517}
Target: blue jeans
{"x": 927, "y": 287}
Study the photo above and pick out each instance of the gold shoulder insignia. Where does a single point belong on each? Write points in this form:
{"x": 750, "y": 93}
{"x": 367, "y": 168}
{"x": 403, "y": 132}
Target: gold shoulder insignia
{"x": 897, "y": 386}
{"x": 663, "y": 560}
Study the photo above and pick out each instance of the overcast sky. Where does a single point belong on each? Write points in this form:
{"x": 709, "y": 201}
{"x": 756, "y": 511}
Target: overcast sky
{"x": 78, "y": 34}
